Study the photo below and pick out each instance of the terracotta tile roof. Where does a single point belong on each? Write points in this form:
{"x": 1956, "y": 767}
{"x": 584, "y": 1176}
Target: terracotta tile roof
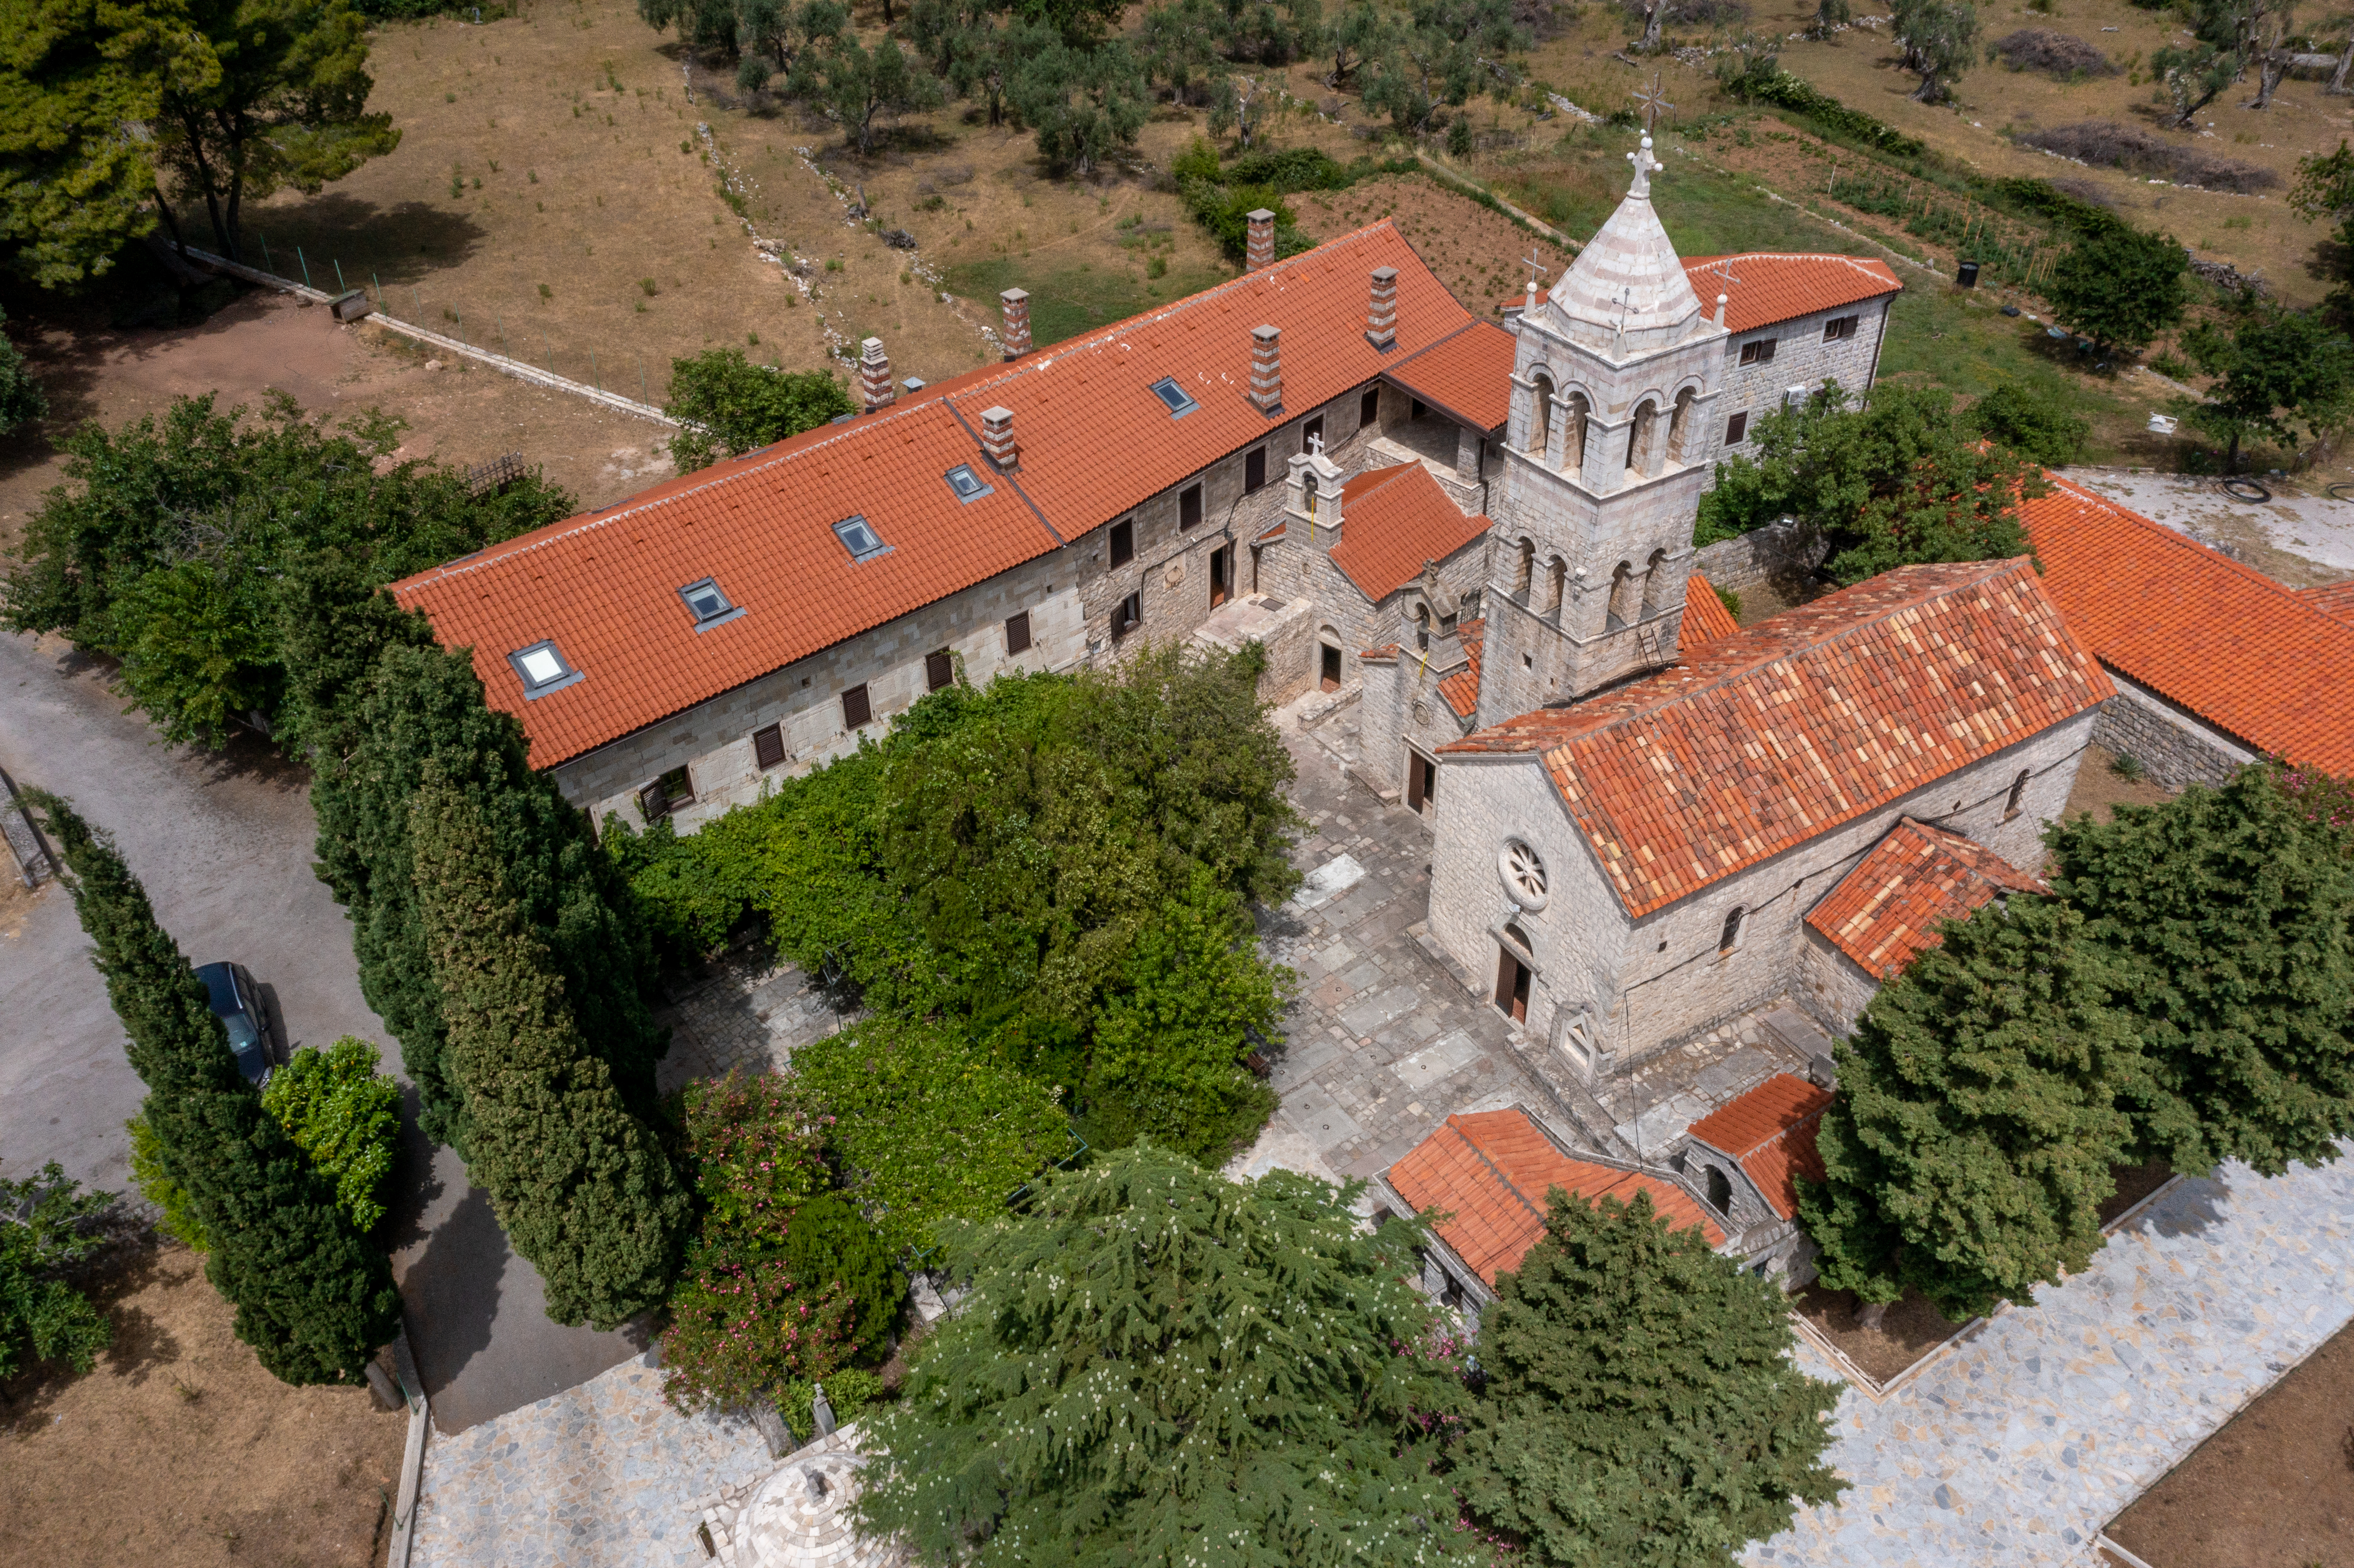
{"x": 2247, "y": 654}
{"x": 1770, "y": 1133}
{"x": 2335, "y": 598}
{"x": 1094, "y": 440}
{"x": 1705, "y": 617}
{"x": 1772, "y": 735}
{"x": 1468, "y": 376}
{"x": 1461, "y": 691}
{"x": 1490, "y": 1172}
{"x": 1780, "y": 286}
{"x": 1888, "y": 907}
{"x": 1391, "y": 521}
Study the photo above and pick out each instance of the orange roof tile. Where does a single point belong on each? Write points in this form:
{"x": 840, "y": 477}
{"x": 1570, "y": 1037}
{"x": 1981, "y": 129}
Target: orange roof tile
{"x": 1490, "y": 1172}
{"x": 1461, "y": 691}
{"x": 1888, "y": 907}
{"x": 1468, "y": 376}
{"x": 1765, "y": 286}
{"x": 1770, "y": 1133}
{"x": 1776, "y": 733}
{"x": 1391, "y": 521}
{"x": 1705, "y": 617}
{"x": 2335, "y": 598}
{"x": 1094, "y": 442}
{"x": 2253, "y": 658}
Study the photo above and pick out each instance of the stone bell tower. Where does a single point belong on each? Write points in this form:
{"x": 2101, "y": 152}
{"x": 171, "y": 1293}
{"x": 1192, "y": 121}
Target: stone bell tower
{"x": 1614, "y": 376}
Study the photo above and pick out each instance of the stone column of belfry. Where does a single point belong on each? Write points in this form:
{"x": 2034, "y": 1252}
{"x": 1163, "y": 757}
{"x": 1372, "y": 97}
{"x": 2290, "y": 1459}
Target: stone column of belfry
{"x": 1267, "y": 370}
{"x": 1016, "y": 304}
{"x": 875, "y": 375}
{"x": 1381, "y": 310}
{"x": 1260, "y": 249}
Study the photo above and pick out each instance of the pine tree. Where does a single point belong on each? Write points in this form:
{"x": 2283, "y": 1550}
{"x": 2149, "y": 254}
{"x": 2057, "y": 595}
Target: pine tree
{"x": 2227, "y": 911}
{"x": 1639, "y": 1407}
{"x": 584, "y": 1189}
{"x": 1159, "y": 1365}
{"x": 1971, "y": 1145}
{"x": 425, "y": 705}
{"x": 314, "y": 1296}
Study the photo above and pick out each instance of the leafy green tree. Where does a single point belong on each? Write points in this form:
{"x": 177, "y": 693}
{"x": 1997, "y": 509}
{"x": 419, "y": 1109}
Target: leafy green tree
{"x": 830, "y": 1245}
{"x": 1169, "y": 1047}
{"x": 1362, "y": 32}
{"x": 1640, "y": 1404}
{"x": 1970, "y": 1147}
{"x": 1441, "y": 56}
{"x": 1940, "y": 40}
{"x": 422, "y": 708}
{"x": 2227, "y": 913}
{"x": 862, "y": 85}
{"x": 2278, "y": 372}
{"x": 977, "y": 47}
{"x": 47, "y": 1225}
{"x": 705, "y": 24}
{"x": 2325, "y": 192}
{"x": 313, "y": 1296}
{"x": 2031, "y": 419}
{"x": 156, "y": 1185}
{"x": 1159, "y": 1365}
{"x": 1087, "y": 105}
{"x": 929, "y": 1127}
{"x": 731, "y": 406}
{"x": 2224, "y": 37}
{"x": 2118, "y": 287}
{"x": 1183, "y": 46}
{"x": 584, "y": 1189}
{"x": 21, "y": 398}
{"x": 1903, "y": 479}
{"x": 345, "y": 1116}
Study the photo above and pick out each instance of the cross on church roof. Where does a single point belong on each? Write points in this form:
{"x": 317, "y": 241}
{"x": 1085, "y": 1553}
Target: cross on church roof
{"x": 1653, "y": 100}
{"x": 1537, "y": 269}
{"x": 1316, "y": 443}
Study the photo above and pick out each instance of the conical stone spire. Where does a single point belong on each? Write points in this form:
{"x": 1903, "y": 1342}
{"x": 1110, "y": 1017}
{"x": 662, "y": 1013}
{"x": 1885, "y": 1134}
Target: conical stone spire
{"x": 1627, "y": 292}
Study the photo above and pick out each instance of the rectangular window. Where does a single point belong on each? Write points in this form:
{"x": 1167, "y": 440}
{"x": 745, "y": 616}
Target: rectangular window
{"x": 1128, "y": 615}
{"x": 1758, "y": 351}
{"x": 769, "y": 745}
{"x": 1123, "y": 543}
{"x": 1311, "y": 433}
{"x": 1369, "y": 407}
{"x": 859, "y": 537}
{"x": 1017, "y": 633}
{"x": 1254, "y": 470}
{"x": 856, "y": 711}
{"x": 939, "y": 669}
{"x": 1189, "y": 507}
{"x": 1838, "y": 329}
{"x": 667, "y": 794}
{"x": 1736, "y": 429}
{"x": 1173, "y": 398}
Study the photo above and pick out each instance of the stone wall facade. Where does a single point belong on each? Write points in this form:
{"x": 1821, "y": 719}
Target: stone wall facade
{"x": 1786, "y": 551}
{"x": 2173, "y": 745}
{"x": 1802, "y": 358}
{"x": 1832, "y": 988}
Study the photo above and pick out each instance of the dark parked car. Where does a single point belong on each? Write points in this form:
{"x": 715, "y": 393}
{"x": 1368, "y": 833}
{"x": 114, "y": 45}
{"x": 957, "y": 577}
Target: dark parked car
{"x": 237, "y": 1003}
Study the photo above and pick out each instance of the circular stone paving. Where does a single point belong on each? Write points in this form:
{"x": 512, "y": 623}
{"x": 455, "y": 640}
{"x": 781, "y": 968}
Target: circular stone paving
{"x": 798, "y": 1519}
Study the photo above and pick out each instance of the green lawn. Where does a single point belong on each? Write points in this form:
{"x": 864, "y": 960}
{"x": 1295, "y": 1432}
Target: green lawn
{"x": 1065, "y": 304}
{"x": 1960, "y": 339}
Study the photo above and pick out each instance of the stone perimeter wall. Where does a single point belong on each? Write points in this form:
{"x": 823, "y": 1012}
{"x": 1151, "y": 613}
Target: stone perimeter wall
{"x": 1784, "y": 551}
{"x": 2173, "y": 747}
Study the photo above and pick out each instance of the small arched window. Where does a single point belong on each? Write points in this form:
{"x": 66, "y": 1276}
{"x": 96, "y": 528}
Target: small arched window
{"x": 1623, "y": 606}
{"x": 1680, "y": 426}
{"x": 1421, "y": 626}
{"x": 1556, "y": 574}
{"x": 1655, "y": 576}
{"x": 1638, "y": 438}
{"x": 2018, "y": 793}
{"x": 1573, "y": 444}
{"x": 1528, "y": 567}
{"x": 1309, "y": 488}
{"x": 1720, "y": 1191}
{"x": 1540, "y": 420}
{"x": 1728, "y": 939}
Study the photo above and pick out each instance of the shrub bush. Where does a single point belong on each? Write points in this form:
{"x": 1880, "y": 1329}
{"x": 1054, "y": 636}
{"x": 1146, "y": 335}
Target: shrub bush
{"x": 1765, "y": 82}
{"x": 159, "y": 1187}
{"x": 732, "y": 406}
{"x": 2054, "y": 53}
{"x": 345, "y": 1116}
{"x": 47, "y": 1225}
{"x": 2032, "y": 421}
{"x": 2107, "y": 143}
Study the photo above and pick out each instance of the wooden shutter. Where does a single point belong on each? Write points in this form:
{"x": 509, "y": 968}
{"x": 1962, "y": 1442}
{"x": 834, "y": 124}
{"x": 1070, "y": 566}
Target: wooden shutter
{"x": 939, "y": 670}
{"x": 855, "y": 709}
{"x": 769, "y": 745}
{"x": 1017, "y": 633}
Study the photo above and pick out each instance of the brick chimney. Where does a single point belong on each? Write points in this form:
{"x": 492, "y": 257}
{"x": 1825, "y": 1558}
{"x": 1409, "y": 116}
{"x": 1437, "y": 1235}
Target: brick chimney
{"x": 1267, "y": 370}
{"x": 1260, "y": 251}
{"x": 1381, "y": 312}
{"x": 997, "y": 436}
{"x": 874, "y": 375}
{"x": 1016, "y": 304}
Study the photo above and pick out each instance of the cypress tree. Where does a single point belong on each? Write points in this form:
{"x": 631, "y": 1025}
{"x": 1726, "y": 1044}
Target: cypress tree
{"x": 1640, "y": 1407}
{"x": 1970, "y": 1146}
{"x": 424, "y": 705}
{"x": 2228, "y": 913}
{"x": 313, "y": 1296}
{"x": 584, "y": 1188}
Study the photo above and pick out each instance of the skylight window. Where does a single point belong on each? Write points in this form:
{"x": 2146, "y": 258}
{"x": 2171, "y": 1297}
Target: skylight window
{"x": 1168, "y": 392}
{"x": 541, "y": 669}
{"x": 708, "y": 605}
{"x": 967, "y": 486}
{"x": 859, "y": 537}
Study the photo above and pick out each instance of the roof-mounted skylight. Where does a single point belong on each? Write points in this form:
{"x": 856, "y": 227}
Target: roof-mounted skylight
{"x": 859, "y": 537}
{"x": 708, "y": 604}
{"x": 967, "y": 486}
{"x": 541, "y": 669}
{"x": 1168, "y": 392}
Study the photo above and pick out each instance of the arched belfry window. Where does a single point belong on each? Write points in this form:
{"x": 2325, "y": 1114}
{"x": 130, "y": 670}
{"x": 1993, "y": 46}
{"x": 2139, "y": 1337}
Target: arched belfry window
{"x": 1573, "y": 446}
{"x": 1541, "y": 417}
{"x": 1681, "y": 426}
{"x": 1309, "y": 488}
{"x": 1623, "y": 607}
{"x": 1655, "y": 573}
{"x": 1556, "y": 574}
{"x": 1527, "y": 571}
{"x": 1638, "y": 438}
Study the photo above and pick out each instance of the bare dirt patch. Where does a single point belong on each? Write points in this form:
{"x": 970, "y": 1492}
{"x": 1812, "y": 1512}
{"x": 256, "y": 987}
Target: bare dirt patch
{"x": 1911, "y": 1329}
{"x": 178, "y": 1449}
{"x": 2100, "y": 789}
{"x": 2273, "y": 1488}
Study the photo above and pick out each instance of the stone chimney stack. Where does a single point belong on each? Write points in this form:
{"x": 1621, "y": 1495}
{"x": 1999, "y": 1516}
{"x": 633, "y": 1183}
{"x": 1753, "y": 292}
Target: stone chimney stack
{"x": 874, "y": 375}
{"x": 1381, "y": 312}
{"x": 1017, "y": 302}
{"x": 1260, "y": 251}
{"x": 997, "y": 436}
{"x": 1267, "y": 370}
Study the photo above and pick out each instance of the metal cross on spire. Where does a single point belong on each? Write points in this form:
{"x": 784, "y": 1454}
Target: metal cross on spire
{"x": 1653, "y": 99}
{"x": 1537, "y": 269}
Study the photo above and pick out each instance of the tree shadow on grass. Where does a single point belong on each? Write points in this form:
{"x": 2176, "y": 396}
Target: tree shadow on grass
{"x": 401, "y": 245}
{"x": 130, "y": 1262}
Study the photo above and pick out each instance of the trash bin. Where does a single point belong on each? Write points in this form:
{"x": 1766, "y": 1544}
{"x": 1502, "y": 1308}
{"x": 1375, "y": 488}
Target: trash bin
{"x": 1966, "y": 275}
